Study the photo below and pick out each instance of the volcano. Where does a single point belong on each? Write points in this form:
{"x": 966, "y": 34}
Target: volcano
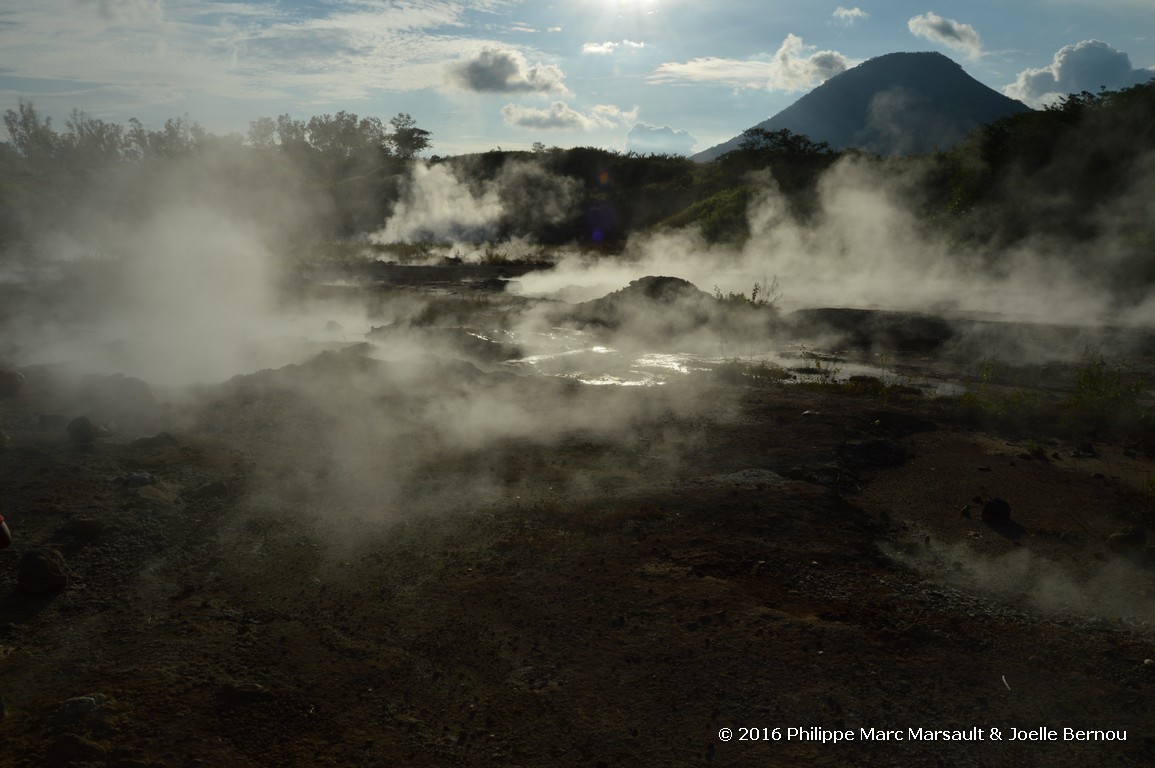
{"x": 897, "y": 104}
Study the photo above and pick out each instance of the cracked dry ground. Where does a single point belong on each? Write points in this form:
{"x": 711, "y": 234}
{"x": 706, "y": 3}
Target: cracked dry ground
{"x": 784, "y": 562}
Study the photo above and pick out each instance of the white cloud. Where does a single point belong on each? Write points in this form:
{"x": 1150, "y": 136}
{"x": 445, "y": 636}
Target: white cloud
{"x": 793, "y": 67}
{"x": 948, "y": 32}
{"x": 127, "y": 10}
{"x": 561, "y": 116}
{"x": 610, "y": 47}
{"x": 646, "y": 139}
{"x": 125, "y": 57}
{"x": 1085, "y": 66}
{"x": 506, "y": 71}
{"x": 848, "y": 17}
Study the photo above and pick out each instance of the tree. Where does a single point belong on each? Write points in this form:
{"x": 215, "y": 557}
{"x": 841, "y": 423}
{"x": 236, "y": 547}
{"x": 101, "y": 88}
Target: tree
{"x": 781, "y": 142}
{"x": 178, "y": 138}
{"x": 291, "y": 133}
{"x": 32, "y": 137}
{"x": 93, "y": 142}
{"x": 262, "y": 133}
{"x": 407, "y": 139}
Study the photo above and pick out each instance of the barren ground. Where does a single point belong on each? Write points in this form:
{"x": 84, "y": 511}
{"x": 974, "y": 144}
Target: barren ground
{"x": 745, "y": 556}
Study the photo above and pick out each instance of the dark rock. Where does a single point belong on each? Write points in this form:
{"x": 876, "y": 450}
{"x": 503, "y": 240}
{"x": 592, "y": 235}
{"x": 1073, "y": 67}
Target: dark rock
{"x": 83, "y": 431}
{"x": 160, "y": 440}
{"x": 240, "y": 693}
{"x": 875, "y": 454}
{"x": 79, "y": 707}
{"x": 5, "y": 441}
{"x": 11, "y": 382}
{"x": 1130, "y": 541}
{"x": 42, "y": 572}
{"x": 83, "y": 528}
{"x": 119, "y": 397}
{"x": 70, "y": 748}
{"x": 138, "y": 479}
{"x": 996, "y": 512}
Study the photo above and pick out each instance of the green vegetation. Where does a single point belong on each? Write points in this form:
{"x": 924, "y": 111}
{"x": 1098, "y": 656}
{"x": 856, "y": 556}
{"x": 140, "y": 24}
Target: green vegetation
{"x": 1106, "y": 401}
{"x": 764, "y": 295}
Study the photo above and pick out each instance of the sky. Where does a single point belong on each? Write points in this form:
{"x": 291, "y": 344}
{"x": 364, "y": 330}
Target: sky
{"x": 630, "y": 75}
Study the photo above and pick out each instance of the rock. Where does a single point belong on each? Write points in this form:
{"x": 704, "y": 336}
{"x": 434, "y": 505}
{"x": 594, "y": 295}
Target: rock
{"x": 83, "y": 528}
{"x": 119, "y": 397}
{"x": 1128, "y": 542}
{"x": 874, "y": 454}
{"x": 996, "y": 512}
{"x": 42, "y": 572}
{"x": 11, "y": 382}
{"x": 79, "y": 707}
{"x": 160, "y": 440}
{"x": 83, "y": 431}
{"x": 138, "y": 480}
{"x": 239, "y": 693}
{"x": 70, "y": 748}
{"x": 5, "y": 441}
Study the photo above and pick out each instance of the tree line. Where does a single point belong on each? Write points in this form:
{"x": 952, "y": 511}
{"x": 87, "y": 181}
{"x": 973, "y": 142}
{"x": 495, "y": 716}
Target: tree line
{"x": 351, "y": 162}
{"x": 1072, "y": 172}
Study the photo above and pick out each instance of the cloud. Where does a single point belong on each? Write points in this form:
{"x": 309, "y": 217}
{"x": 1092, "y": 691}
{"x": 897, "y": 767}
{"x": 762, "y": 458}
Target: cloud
{"x": 149, "y": 59}
{"x": 610, "y": 47}
{"x": 127, "y": 10}
{"x": 645, "y": 139}
{"x": 948, "y": 32}
{"x": 795, "y": 66}
{"x": 1085, "y": 66}
{"x": 561, "y": 116}
{"x": 848, "y": 17}
{"x": 507, "y": 71}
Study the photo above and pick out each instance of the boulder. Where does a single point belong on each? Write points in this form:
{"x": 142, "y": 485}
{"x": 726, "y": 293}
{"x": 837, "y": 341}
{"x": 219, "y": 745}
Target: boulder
{"x": 82, "y": 430}
{"x": 996, "y": 512}
{"x": 1128, "y": 542}
{"x": 42, "y": 572}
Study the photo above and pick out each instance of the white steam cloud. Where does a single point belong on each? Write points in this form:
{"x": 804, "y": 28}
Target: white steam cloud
{"x": 865, "y": 248}
{"x": 438, "y": 206}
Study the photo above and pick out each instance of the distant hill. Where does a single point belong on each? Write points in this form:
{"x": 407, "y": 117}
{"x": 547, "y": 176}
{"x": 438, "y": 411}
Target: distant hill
{"x": 897, "y": 104}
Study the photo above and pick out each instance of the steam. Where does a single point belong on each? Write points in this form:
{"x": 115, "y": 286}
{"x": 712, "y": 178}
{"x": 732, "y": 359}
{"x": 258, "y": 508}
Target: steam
{"x": 439, "y": 206}
{"x": 1113, "y": 590}
{"x": 865, "y": 248}
{"x": 168, "y": 276}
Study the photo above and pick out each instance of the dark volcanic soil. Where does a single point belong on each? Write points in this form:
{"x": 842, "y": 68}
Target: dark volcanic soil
{"x": 740, "y": 556}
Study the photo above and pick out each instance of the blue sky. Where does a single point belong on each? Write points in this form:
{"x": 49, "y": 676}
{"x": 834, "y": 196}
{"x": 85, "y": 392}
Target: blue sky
{"x": 675, "y": 75}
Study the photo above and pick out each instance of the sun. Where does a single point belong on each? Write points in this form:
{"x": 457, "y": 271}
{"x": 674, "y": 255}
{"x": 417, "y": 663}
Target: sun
{"x": 634, "y": 7}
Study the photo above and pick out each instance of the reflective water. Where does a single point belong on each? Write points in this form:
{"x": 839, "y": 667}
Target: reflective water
{"x": 572, "y": 354}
